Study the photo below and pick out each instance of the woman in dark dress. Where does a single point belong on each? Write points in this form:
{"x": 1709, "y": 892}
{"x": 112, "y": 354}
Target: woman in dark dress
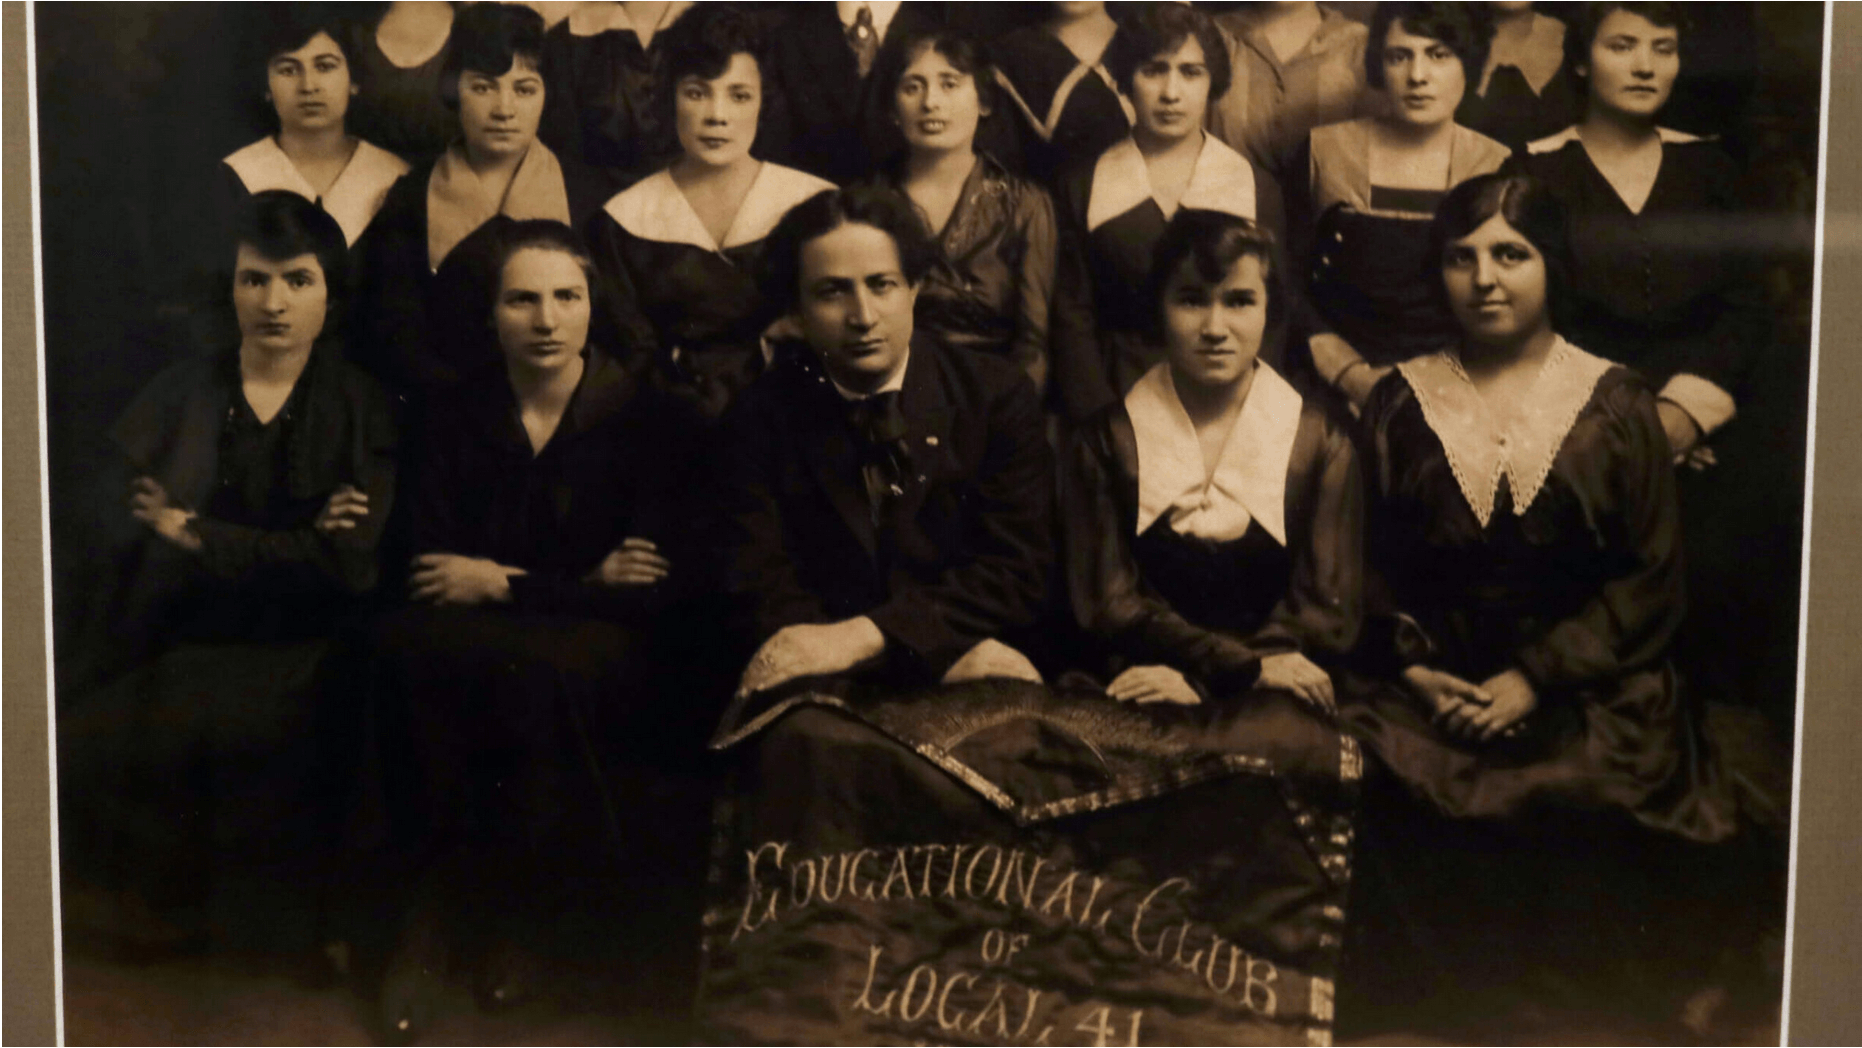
{"x": 1172, "y": 61}
{"x": 681, "y": 246}
{"x": 1543, "y": 771}
{"x": 991, "y": 289}
{"x": 493, "y": 79}
{"x": 1523, "y": 93}
{"x": 606, "y": 90}
{"x": 548, "y": 550}
{"x": 1664, "y": 285}
{"x": 259, "y": 475}
{"x": 1360, "y": 212}
{"x": 1055, "y": 81}
{"x": 399, "y": 59}
{"x": 1213, "y": 519}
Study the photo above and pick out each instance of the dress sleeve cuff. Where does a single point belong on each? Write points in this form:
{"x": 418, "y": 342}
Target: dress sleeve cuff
{"x": 1707, "y": 404}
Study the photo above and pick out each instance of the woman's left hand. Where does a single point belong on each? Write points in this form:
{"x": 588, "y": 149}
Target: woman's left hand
{"x": 1143, "y": 684}
{"x": 1292, "y": 672}
{"x": 149, "y": 503}
{"x": 447, "y": 578}
{"x": 1513, "y": 701}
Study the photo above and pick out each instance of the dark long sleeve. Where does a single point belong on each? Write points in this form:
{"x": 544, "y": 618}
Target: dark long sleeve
{"x": 1035, "y": 281}
{"x": 1080, "y": 371}
{"x": 760, "y": 575}
{"x": 1321, "y": 613}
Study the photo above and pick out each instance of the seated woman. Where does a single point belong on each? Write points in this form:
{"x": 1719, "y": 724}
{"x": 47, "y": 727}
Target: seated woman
{"x": 1213, "y": 520}
{"x": 681, "y": 246}
{"x": 262, "y": 473}
{"x": 1172, "y": 61}
{"x": 1536, "y": 743}
{"x": 493, "y": 78}
{"x": 1360, "y": 211}
{"x": 549, "y": 549}
{"x": 991, "y": 288}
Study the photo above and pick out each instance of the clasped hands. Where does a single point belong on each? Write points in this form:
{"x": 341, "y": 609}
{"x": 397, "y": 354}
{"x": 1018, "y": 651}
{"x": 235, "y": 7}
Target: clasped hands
{"x": 449, "y": 578}
{"x": 1477, "y": 713}
{"x": 1289, "y": 671}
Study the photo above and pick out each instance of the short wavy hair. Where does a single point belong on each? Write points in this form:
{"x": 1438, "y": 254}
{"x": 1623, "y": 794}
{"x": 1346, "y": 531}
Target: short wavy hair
{"x": 701, "y": 43}
{"x": 490, "y": 38}
{"x": 883, "y": 208}
{"x": 1159, "y": 29}
{"x": 1581, "y": 33}
{"x": 1530, "y": 208}
{"x": 1467, "y": 29}
{"x": 1208, "y": 244}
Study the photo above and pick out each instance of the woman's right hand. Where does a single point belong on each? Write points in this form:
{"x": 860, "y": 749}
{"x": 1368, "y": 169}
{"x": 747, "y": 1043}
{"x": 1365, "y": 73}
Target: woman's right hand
{"x": 1295, "y": 673}
{"x": 1143, "y": 684}
{"x": 636, "y": 562}
{"x": 347, "y": 505}
{"x": 1451, "y": 702}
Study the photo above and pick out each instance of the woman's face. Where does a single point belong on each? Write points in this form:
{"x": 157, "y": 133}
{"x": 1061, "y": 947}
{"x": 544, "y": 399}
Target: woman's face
{"x": 1423, "y": 77}
{"x": 855, "y": 305}
{"x": 937, "y": 104}
{"x": 1171, "y": 91}
{"x": 717, "y": 119}
{"x": 1633, "y": 64}
{"x": 1212, "y": 332}
{"x": 542, "y": 309}
{"x": 1496, "y": 284}
{"x": 498, "y": 115}
{"x": 280, "y": 305}
{"x": 310, "y": 87}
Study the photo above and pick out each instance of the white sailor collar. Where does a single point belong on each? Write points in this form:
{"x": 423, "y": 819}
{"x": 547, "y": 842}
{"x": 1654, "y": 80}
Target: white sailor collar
{"x": 1553, "y": 143}
{"x": 1538, "y": 57}
{"x": 353, "y": 199}
{"x": 595, "y": 19}
{"x": 1250, "y": 480}
{"x": 1480, "y": 452}
{"x": 655, "y": 209}
{"x": 1222, "y": 180}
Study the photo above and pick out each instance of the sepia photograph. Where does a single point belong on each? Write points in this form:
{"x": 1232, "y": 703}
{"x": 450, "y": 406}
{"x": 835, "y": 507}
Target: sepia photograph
{"x": 926, "y": 523}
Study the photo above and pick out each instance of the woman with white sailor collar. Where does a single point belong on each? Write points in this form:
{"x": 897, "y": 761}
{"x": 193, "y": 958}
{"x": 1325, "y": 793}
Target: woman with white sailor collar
{"x": 417, "y": 333}
{"x": 681, "y": 247}
{"x": 1171, "y": 60}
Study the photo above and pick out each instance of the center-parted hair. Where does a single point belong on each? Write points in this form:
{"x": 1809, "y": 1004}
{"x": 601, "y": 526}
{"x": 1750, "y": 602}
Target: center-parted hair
{"x": 882, "y": 208}
{"x": 1466, "y": 29}
{"x": 1159, "y": 29}
{"x": 1581, "y": 33}
{"x": 490, "y": 38}
{"x": 277, "y": 29}
{"x": 1208, "y": 244}
{"x": 1530, "y": 208}
{"x": 965, "y": 53}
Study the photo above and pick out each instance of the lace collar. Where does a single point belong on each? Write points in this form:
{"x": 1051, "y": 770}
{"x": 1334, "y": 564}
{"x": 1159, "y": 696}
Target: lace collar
{"x": 1479, "y": 451}
{"x": 656, "y": 209}
{"x": 1221, "y": 181}
{"x": 1250, "y": 481}
{"x": 352, "y": 200}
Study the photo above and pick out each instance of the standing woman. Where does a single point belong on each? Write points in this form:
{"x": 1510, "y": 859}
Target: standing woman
{"x": 400, "y": 58}
{"x": 548, "y": 547}
{"x": 1663, "y": 286}
{"x": 1541, "y": 759}
{"x": 1213, "y": 519}
{"x": 1054, "y": 78}
{"x": 258, "y": 476}
{"x": 606, "y": 98}
{"x": 493, "y": 79}
{"x": 1361, "y": 209}
{"x": 1297, "y": 66}
{"x": 1524, "y": 92}
{"x": 991, "y": 288}
{"x": 1172, "y": 61}
{"x": 681, "y": 246}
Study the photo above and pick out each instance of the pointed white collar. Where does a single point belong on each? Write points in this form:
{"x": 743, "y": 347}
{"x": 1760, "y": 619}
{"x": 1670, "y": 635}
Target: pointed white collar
{"x": 458, "y": 202}
{"x": 1479, "y": 450}
{"x": 595, "y": 19}
{"x": 655, "y": 209}
{"x": 353, "y": 199}
{"x": 1221, "y": 181}
{"x": 1250, "y": 480}
{"x": 1553, "y": 143}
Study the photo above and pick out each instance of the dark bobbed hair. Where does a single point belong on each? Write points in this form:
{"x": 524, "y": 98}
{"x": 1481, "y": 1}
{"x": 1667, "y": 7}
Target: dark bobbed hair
{"x": 1526, "y": 205}
{"x": 489, "y": 38}
{"x": 864, "y": 204}
{"x": 1209, "y": 243}
{"x": 275, "y": 29}
{"x": 965, "y": 53}
{"x": 474, "y": 273}
{"x": 280, "y": 225}
{"x": 1159, "y": 29}
{"x": 1467, "y": 29}
{"x": 544, "y": 234}
{"x": 701, "y": 43}
{"x": 1581, "y": 33}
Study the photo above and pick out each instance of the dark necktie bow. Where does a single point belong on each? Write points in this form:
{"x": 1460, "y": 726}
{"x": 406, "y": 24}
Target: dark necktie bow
{"x": 879, "y": 422}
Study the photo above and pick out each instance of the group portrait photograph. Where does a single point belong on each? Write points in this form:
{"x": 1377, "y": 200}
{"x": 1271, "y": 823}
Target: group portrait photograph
{"x": 926, "y": 523}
